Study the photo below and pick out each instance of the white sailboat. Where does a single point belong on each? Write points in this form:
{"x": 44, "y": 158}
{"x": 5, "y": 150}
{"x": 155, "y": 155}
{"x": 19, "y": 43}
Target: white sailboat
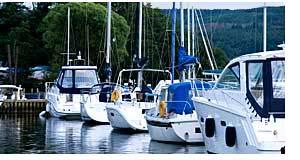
{"x": 131, "y": 104}
{"x": 93, "y": 105}
{"x": 63, "y": 95}
{"x": 174, "y": 118}
{"x": 245, "y": 111}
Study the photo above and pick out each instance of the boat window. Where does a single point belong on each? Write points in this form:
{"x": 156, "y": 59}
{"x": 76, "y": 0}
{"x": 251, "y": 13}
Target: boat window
{"x": 85, "y": 78}
{"x": 278, "y": 78}
{"x": 230, "y": 79}
{"x": 67, "y": 79}
{"x": 255, "y": 80}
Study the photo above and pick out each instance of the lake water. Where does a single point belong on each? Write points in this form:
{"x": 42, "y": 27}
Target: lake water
{"x": 31, "y": 134}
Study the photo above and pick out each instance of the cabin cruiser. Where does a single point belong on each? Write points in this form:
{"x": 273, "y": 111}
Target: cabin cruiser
{"x": 11, "y": 92}
{"x": 245, "y": 111}
{"x": 64, "y": 95}
{"x": 132, "y": 102}
{"x": 175, "y": 119}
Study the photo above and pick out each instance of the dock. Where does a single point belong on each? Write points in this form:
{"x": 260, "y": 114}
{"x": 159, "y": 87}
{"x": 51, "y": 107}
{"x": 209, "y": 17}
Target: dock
{"x": 23, "y": 106}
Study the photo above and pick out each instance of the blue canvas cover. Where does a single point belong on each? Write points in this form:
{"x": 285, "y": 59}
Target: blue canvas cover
{"x": 179, "y": 97}
{"x": 184, "y": 59}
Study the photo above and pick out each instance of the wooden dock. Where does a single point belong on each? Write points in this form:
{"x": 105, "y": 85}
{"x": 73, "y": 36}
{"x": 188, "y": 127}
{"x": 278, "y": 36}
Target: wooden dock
{"x": 23, "y": 106}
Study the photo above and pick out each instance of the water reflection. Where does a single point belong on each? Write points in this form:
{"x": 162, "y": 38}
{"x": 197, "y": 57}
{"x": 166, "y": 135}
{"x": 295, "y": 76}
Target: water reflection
{"x": 165, "y": 148}
{"x": 31, "y": 134}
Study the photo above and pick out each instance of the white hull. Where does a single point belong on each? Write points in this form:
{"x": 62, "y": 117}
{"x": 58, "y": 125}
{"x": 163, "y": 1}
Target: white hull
{"x": 58, "y": 107}
{"x": 180, "y": 129}
{"x": 128, "y": 115}
{"x": 94, "y": 111}
{"x": 251, "y": 136}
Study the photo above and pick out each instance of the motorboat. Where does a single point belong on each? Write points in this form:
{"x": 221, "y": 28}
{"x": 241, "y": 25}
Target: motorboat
{"x": 11, "y": 92}
{"x": 64, "y": 95}
{"x": 245, "y": 111}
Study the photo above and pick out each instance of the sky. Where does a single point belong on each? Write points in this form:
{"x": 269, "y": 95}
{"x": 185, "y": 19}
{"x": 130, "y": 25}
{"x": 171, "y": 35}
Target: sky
{"x": 216, "y": 5}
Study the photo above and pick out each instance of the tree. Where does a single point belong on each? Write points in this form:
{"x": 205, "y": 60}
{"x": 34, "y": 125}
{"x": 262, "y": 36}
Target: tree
{"x": 93, "y": 16}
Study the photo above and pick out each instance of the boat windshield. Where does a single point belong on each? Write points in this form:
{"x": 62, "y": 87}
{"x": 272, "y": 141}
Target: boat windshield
{"x": 82, "y": 78}
{"x": 85, "y": 78}
{"x": 230, "y": 79}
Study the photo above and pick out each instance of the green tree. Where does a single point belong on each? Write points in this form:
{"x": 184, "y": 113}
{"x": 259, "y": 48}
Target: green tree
{"x": 83, "y": 15}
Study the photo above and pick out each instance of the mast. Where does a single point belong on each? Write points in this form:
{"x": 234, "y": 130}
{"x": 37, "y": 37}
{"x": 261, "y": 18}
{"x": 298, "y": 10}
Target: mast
{"x": 68, "y": 49}
{"x": 108, "y": 40}
{"x": 140, "y": 74}
{"x": 189, "y": 42}
{"x": 182, "y": 36}
{"x": 265, "y": 27}
{"x": 193, "y": 41}
{"x": 173, "y": 41}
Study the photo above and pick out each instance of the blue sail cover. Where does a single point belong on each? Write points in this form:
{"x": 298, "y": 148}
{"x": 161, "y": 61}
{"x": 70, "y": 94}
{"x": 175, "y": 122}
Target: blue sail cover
{"x": 184, "y": 59}
{"x": 180, "y": 94}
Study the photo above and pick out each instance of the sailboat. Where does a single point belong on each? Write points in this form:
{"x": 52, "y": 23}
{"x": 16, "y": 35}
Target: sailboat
{"x": 245, "y": 111}
{"x": 132, "y": 100}
{"x": 63, "y": 95}
{"x": 174, "y": 119}
{"x": 93, "y": 105}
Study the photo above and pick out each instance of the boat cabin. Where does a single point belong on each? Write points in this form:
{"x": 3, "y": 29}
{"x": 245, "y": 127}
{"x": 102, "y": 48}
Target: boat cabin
{"x": 74, "y": 79}
{"x": 260, "y": 77}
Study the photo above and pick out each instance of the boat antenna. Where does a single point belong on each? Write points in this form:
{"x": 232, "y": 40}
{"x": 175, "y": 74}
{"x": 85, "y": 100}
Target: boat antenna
{"x": 173, "y": 41}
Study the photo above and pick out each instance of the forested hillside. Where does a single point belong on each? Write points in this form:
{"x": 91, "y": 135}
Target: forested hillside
{"x": 241, "y": 31}
{"x": 35, "y": 34}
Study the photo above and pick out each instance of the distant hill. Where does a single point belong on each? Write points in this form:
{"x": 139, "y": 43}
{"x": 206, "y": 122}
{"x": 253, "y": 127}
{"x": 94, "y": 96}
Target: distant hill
{"x": 240, "y": 32}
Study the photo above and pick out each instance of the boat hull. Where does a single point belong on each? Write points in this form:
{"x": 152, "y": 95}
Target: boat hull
{"x": 95, "y": 111}
{"x": 216, "y": 134}
{"x": 128, "y": 115}
{"x": 181, "y": 129}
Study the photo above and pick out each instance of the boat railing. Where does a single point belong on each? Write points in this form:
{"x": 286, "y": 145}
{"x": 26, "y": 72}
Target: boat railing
{"x": 48, "y": 85}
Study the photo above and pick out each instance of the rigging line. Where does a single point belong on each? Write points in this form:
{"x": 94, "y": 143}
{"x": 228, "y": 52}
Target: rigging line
{"x": 207, "y": 38}
{"x": 164, "y": 40}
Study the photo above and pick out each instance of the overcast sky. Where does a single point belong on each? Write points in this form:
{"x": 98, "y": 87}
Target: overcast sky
{"x": 216, "y": 5}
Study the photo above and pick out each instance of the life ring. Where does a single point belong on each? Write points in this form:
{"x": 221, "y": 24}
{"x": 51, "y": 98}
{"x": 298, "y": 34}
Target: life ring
{"x": 210, "y": 127}
{"x": 115, "y": 95}
{"x": 162, "y": 109}
{"x": 230, "y": 136}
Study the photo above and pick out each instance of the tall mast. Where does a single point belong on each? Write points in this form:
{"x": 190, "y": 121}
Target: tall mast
{"x": 68, "y": 49}
{"x": 265, "y": 28}
{"x": 182, "y": 35}
{"x": 140, "y": 76}
{"x": 173, "y": 41}
{"x": 108, "y": 40}
{"x": 181, "y": 26}
{"x": 189, "y": 42}
{"x": 193, "y": 40}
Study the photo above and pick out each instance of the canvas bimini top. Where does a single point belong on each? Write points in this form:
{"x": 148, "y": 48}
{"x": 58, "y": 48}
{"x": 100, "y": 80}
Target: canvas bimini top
{"x": 180, "y": 94}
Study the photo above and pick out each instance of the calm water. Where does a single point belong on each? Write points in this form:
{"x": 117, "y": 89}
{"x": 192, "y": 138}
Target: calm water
{"x": 31, "y": 134}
